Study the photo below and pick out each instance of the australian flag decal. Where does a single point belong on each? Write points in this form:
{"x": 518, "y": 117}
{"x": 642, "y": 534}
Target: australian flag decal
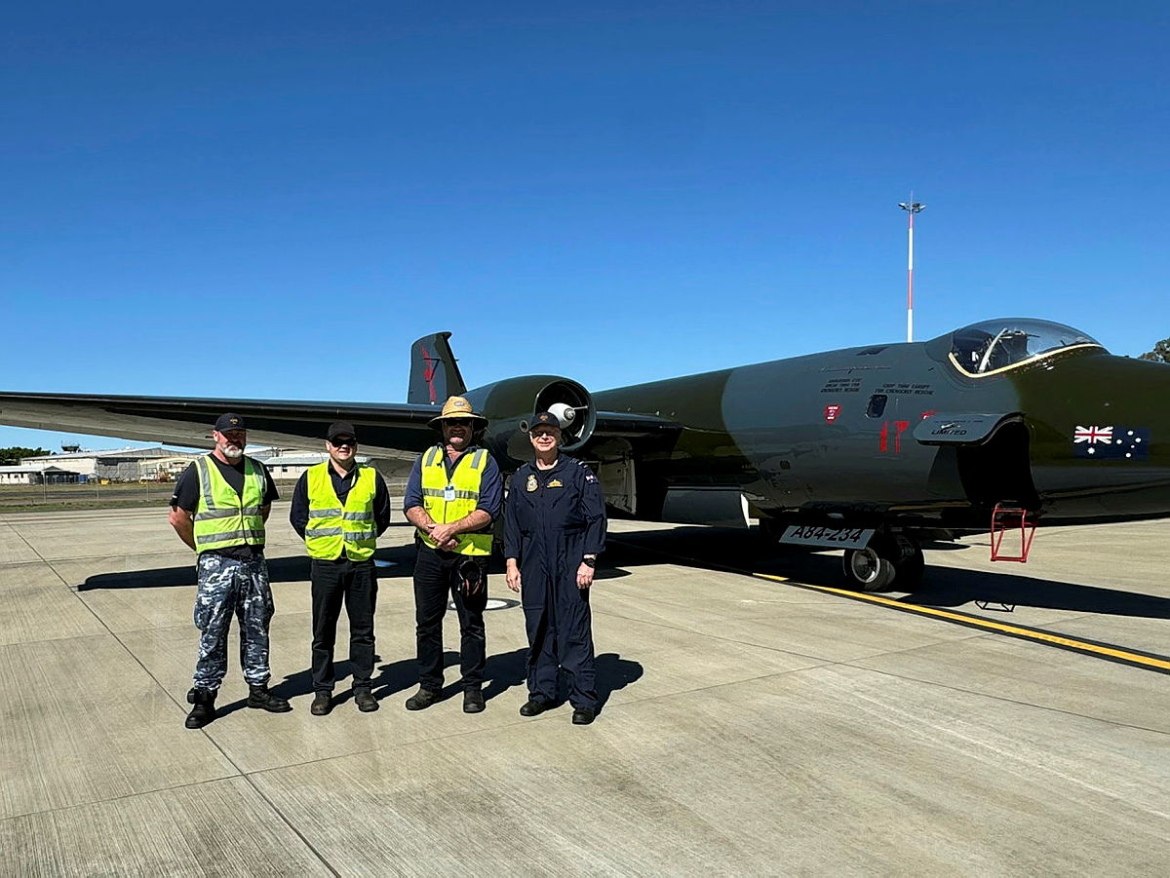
{"x": 1112, "y": 443}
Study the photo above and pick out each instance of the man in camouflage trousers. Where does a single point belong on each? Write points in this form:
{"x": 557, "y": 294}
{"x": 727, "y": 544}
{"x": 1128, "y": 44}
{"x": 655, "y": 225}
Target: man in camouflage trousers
{"x": 219, "y": 509}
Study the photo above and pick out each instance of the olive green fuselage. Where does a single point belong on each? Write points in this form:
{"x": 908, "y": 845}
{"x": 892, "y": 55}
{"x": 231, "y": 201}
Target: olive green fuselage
{"x": 811, "y": 437}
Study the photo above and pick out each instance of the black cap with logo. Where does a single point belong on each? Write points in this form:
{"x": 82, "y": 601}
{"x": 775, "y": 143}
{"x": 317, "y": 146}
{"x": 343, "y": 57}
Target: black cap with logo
{"x": 230, "y": 421}
{"x": 544, "y": 419}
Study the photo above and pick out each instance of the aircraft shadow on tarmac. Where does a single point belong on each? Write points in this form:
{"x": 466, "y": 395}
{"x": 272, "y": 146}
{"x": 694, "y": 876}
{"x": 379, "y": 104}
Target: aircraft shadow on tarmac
{"x": 290, "y": 569}
{"x": 743, "y": 550}
{"x": 705, "y": 547}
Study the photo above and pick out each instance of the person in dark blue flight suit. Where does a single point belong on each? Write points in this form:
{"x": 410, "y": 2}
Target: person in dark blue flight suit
{"x": 555, "y": 529}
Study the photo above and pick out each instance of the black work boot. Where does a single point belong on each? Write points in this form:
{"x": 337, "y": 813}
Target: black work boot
{"x": 259, "y": 696}
{"x": 422, "y": 699}
{"x": 472, "y": 701}
{"x": 204, "y": 710}
{"x": 322, "y": 703}
{"x": 583, "y": 716}
{"x": 365, "y": 700}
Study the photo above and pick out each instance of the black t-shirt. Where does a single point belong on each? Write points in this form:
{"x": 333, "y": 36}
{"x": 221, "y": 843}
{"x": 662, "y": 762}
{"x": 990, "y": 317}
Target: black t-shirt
{"x": 186, "y": 495}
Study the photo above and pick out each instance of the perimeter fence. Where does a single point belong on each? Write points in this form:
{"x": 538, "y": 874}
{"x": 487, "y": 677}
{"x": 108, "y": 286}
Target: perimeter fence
{"x": 93, "y": 494}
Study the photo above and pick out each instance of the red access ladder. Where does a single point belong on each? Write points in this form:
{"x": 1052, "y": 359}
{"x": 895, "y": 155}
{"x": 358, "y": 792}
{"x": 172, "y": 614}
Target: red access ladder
{"x": 1006, "y": 518}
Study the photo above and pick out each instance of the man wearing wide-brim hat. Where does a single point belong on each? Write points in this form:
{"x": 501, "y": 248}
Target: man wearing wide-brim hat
{"x": 453, "y": 495}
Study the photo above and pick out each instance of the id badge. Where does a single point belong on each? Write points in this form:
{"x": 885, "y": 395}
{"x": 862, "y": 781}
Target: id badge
{"x": 449, "y": 493}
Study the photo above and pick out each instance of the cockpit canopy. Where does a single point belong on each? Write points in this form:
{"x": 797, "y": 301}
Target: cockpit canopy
{"x": 983, "y": 348}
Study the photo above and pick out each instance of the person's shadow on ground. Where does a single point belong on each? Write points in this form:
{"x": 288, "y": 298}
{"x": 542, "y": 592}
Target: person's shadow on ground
{"x": 612, "y": 673}
{"x": 502, "y": 672}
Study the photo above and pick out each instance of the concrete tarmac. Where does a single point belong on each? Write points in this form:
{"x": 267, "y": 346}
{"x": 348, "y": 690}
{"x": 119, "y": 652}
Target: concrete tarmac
{"x": 749, "y": 727}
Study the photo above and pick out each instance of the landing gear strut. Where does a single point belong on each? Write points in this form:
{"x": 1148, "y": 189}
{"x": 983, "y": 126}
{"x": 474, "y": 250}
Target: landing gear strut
{"x": 888, "y": 561}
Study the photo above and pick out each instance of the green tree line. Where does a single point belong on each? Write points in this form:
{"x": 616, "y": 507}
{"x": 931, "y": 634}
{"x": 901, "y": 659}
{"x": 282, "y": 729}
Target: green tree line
{"x": 1160, "y": 353}
{"x": 14, "y": 455}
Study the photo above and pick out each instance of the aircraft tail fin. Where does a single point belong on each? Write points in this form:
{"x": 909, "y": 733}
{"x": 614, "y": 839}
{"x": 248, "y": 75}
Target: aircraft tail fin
{"x": 434, "y": 374}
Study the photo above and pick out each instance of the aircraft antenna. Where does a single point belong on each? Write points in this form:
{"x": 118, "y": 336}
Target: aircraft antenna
{"x": 911, "y": 207}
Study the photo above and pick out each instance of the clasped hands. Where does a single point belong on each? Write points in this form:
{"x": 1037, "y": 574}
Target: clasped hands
{"x": 446, "y": 537}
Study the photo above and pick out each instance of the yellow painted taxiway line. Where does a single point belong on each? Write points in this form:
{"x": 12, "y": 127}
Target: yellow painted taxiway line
{"x": 1101, "y": 650}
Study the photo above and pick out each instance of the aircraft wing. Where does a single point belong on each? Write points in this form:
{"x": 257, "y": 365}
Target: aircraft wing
{"x": 392, "y": 431}
{"x": 388, "y": 431}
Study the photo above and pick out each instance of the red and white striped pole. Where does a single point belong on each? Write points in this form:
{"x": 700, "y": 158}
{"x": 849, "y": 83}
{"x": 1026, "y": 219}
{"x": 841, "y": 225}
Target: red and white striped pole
{"x": 911, "y": 207}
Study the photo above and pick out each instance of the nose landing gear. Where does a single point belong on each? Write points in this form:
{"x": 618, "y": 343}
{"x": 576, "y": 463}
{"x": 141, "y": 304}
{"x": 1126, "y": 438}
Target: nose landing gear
{"x": 889, "y": 561}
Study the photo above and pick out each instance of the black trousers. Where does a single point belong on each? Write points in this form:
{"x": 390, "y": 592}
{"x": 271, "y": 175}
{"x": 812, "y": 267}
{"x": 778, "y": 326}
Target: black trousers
{"x": 436, "y": 579}
{"x": 356, "y": 584}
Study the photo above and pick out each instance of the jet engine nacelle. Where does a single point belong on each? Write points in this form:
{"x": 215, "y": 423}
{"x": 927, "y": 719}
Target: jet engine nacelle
{"x": 510, "y": 404}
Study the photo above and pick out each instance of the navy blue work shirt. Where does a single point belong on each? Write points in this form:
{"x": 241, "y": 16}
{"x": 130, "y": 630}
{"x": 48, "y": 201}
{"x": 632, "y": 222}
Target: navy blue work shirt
{"x": 554, "y": 518}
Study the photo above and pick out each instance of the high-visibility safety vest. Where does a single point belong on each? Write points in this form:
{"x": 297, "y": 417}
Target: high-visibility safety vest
{"x": 223, "y": 518}
{"x": 450, "y": 500}
{"x": 333, "y": 526}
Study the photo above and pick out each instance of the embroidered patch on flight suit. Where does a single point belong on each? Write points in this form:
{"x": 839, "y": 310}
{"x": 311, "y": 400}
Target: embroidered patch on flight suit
{"x": 555, "y": 483}
{"x": 531, "y": 485}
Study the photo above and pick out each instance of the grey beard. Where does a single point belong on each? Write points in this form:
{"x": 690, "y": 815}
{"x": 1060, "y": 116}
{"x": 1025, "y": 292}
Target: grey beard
{"x": 233, "y": 452}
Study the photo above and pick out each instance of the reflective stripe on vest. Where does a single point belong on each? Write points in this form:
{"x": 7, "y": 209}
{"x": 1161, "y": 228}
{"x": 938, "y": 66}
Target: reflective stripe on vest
{"x": 223, "y": 518}
{"x": 447, "y": 501}
{"x": 332, "y": 527}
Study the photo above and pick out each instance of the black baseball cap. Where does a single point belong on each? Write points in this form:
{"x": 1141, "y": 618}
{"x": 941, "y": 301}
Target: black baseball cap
{"x": 340, "y": 428}
{"x": 230, "y": 421}
{"x": 544, "y": 419}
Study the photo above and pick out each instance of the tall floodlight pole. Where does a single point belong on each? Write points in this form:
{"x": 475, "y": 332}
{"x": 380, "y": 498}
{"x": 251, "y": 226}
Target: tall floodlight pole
{"x": 911, "y": 207}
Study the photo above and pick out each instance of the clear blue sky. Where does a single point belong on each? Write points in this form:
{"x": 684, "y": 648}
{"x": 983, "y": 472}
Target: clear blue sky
{"x": 218, "y": 198}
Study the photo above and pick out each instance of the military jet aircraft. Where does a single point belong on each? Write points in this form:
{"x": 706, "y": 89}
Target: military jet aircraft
{"x": 875, "y": 450}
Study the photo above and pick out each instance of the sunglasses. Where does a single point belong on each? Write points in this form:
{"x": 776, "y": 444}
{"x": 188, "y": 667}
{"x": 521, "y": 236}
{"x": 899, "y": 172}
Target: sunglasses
{"x": 343, "y": 442}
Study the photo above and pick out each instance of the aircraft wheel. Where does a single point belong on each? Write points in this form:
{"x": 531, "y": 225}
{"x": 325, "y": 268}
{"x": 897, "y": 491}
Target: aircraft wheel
{"x": 869, "y": 569}
{"x": 909, "y": 567}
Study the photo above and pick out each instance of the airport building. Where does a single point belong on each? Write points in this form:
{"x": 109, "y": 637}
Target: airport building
{"x": 154, "y": 464}
{"x": 122, "y": 465}
{"x": 289, "y": 466}
{"x": 36, "y": 475}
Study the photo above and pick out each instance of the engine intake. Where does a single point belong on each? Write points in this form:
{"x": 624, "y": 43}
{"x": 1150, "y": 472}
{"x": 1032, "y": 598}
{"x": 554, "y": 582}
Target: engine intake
{"x": 511, "y": 403}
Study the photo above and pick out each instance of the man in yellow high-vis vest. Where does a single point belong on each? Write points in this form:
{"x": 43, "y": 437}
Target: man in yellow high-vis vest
{"x": 219, "y": 509}
{"x": 453, "y": 495}
{"x": 340, "y": 508}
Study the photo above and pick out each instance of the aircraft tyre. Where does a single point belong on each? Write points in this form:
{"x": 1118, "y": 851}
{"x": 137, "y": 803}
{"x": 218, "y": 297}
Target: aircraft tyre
{"x": 871, "y": 568}
{"x": 909, "y": 566}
